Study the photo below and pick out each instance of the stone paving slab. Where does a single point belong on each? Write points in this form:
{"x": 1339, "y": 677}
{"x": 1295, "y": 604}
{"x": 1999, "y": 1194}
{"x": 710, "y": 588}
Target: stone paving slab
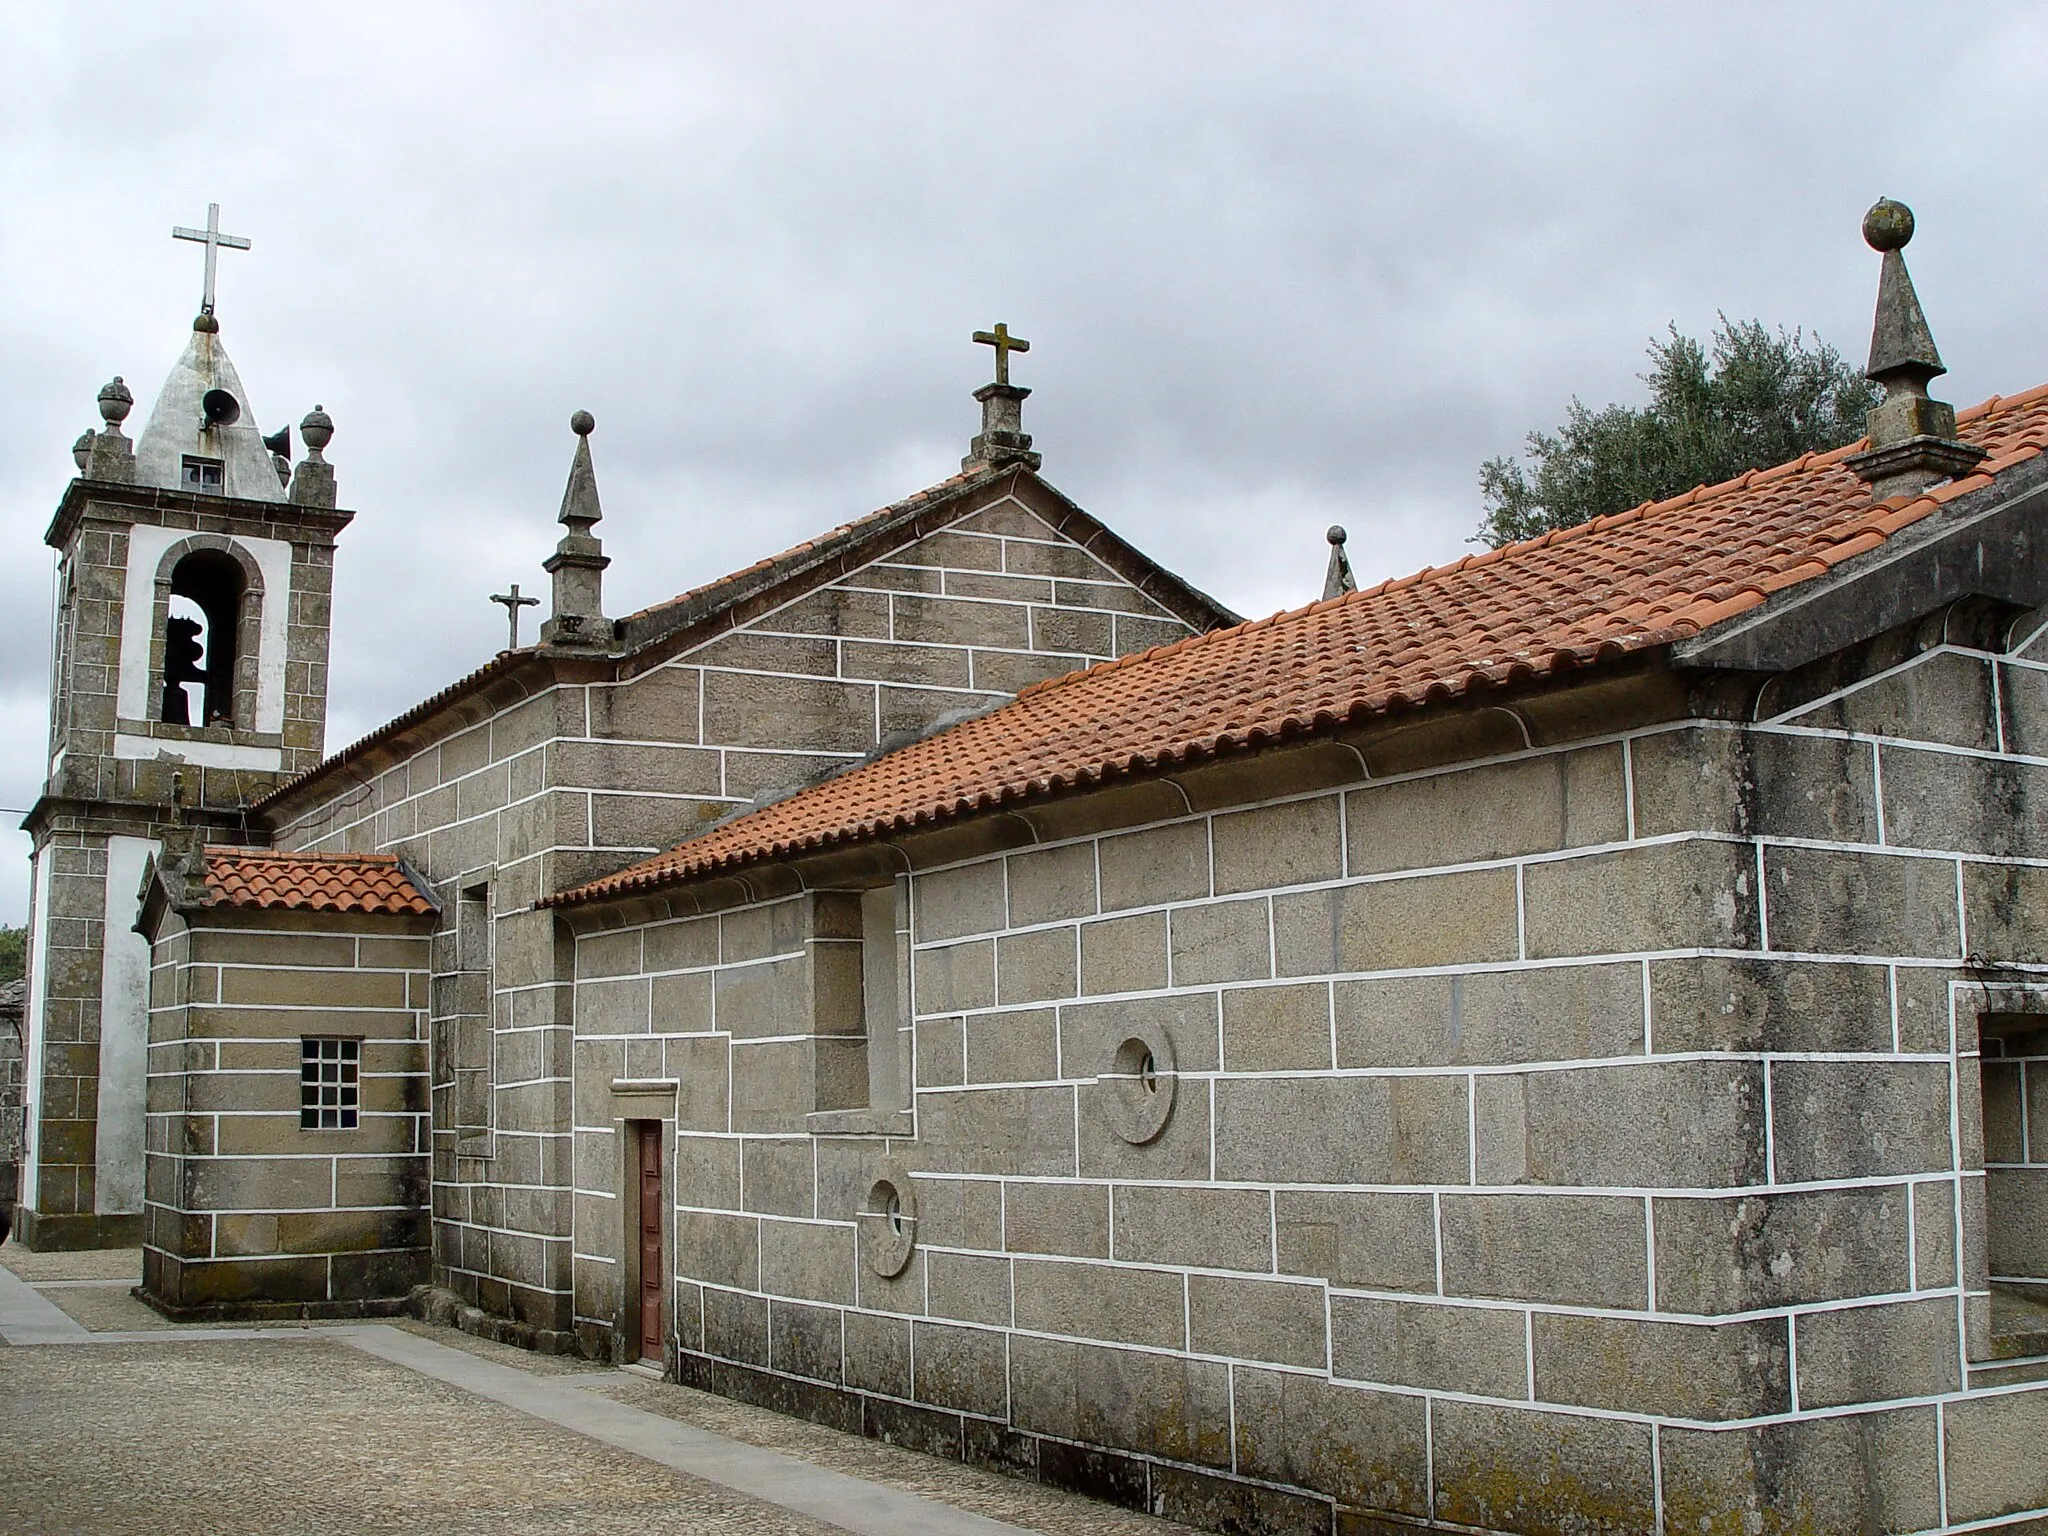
{"x": 804, "y": 1488}
{"x": 27, "y": 1316}
{"x": 1029, "y": 1505}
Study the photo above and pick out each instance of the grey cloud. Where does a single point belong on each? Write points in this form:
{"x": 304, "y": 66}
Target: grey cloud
{"x": 1282, "y": 266}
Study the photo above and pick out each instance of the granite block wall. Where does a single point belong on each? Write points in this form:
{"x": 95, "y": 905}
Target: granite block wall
{"x": 249, "y": 1209}
{"x": 1590, "y": 1138}
{"x": 111, "y": 785}
{"x": 536, "y": 790}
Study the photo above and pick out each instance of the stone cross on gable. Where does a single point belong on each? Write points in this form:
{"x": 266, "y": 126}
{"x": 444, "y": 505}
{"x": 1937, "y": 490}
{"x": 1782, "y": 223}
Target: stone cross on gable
{"x": 513, "y": 603}
{"x": 213, "y": 240}
{"x": 1004, "y": 343}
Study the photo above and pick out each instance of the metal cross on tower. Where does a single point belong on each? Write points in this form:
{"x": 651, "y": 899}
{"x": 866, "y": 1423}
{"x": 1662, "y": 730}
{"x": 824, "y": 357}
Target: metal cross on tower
{"x": 213, "y": 240}
{"x": 1004, "y": 343}
{"x": 513, "y": 603}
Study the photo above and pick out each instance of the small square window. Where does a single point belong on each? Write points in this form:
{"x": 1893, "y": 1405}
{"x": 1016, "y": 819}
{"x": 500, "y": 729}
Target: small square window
{"x": 202, "y": 474}
{"x": 330, "y": 1090}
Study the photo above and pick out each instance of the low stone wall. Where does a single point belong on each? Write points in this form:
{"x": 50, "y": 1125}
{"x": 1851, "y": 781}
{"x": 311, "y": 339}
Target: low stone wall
{"x": 256, "y": 1205}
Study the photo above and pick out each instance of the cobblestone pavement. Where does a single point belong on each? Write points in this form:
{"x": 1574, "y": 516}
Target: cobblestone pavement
{"x": 305, "y": 1437}
{"x": 285, "y": 1436}
{"x": 91, "y": 1264}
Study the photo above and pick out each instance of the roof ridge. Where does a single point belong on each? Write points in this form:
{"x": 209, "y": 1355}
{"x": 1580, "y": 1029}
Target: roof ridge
{"x": 295, "y": 855}
{"x": 904, "y": 504}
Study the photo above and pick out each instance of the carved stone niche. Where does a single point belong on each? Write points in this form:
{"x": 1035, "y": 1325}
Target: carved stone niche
{"x": 888, "y": 1219}
{"x": 1138, "y": 1081}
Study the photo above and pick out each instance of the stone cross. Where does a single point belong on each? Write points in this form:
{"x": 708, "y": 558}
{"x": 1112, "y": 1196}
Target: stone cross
{"x": 1004, "y": 343}
{"x": 513, "y": 603}
{"x": 213, "y": 240}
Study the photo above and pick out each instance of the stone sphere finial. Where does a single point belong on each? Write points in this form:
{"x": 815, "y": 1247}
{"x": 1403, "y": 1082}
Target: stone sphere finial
{"x": 116, "y": 401}
{"x": 1888, "y": 225}
{"x": 317, "y": 430}
{"x": 81, "y": 450}
{"x": 1337, "y": 535}
{"x": 206, "y": 325}
{"x": 583, "y": 423}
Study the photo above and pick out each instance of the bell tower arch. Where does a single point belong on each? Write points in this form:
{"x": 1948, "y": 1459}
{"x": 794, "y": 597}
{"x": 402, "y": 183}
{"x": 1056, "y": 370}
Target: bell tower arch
{"x": 189, "y": 677}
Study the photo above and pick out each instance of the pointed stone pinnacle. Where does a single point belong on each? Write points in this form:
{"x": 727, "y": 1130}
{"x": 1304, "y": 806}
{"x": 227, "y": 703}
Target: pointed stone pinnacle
{"x": 579, "y": 497}
{"x": 1338, "y": 580}
{"x": 1913, "y": 441}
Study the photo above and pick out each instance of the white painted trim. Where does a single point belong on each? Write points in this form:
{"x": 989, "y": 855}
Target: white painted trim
{"x": 33, "y": 1020}
{"x": 124, "y": 1033}
{"x": 203, "y": 754}
{"x": 146, "y": 547}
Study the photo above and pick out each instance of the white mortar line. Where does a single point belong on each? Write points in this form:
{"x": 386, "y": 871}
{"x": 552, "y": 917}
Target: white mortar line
{"x": 1962, "y": 916}
{"x": 1770, "y": 1131}
{"x": 1628, "y": 784}
{"x": 1912, "y": 1238}
{"x": 1792, "y": 1359}
{"x": 1650, "y": 1249}
{"x": 1436, "y": 1220}
{"x": 1657, "y": 1475}
{"x": 1471, "y": 1130}
{"x": 1941, "y": 1455}
{"x": 1529, "y": 1353}
{"x": 1429, "y": 1455}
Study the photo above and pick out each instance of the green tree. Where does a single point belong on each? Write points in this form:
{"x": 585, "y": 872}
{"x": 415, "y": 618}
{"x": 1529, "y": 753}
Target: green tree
{"x": 13, "y": 954}
{"x": 1756, "y": 398}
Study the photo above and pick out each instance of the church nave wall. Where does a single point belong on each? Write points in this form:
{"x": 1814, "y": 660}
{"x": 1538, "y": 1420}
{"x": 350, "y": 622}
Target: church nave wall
{"x": 1583, "y": 1121}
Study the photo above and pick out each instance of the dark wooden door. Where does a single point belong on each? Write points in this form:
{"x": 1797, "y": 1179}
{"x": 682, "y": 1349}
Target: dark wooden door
{"x": 651, "y": 1279}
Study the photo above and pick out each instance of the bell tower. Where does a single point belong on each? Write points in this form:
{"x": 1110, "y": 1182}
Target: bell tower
{"x": 189, "y": 676}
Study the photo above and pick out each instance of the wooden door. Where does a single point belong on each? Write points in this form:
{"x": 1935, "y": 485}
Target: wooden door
{"x": 651, "y": 1264}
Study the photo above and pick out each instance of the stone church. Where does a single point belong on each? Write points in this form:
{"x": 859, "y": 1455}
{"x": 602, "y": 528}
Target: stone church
{"x": 1554, "y": 1043}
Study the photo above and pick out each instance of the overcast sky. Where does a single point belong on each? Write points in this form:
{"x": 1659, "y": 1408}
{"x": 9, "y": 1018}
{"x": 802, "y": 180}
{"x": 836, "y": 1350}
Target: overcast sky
{"x": 1280, "y": 265}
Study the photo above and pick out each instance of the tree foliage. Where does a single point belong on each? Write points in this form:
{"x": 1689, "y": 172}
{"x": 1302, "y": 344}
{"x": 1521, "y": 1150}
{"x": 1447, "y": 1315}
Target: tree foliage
{"x": 13, "y": 954}
{"x": 1755, "y": 398}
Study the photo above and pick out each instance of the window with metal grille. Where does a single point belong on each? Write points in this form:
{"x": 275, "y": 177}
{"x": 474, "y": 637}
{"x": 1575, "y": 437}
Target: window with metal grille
{"x": 330, "y": 1087}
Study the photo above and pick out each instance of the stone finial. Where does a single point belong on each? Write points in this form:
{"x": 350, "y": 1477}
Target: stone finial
{"x": 107, "y": 454}
{"x": 1338, "y": 579}
{"x": 577, "y": 566}
{"x": 1913, "y": 441}
{"x": 313, "y": 482}
{"x": 317, "y": 431}
{"x": 1002, "y": 439}
{"x": 116, "y": 401}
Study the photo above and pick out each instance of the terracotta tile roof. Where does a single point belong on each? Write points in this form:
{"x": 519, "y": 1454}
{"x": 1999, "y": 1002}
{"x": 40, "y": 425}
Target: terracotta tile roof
{"x": 306, "y": 882}
{"x": 1640, "y": 579}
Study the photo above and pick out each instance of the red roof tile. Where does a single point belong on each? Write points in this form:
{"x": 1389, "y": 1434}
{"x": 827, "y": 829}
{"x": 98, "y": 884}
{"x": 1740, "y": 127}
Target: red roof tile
{"x": 328, "y": 882}
{"x": 1648, "y": 577}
